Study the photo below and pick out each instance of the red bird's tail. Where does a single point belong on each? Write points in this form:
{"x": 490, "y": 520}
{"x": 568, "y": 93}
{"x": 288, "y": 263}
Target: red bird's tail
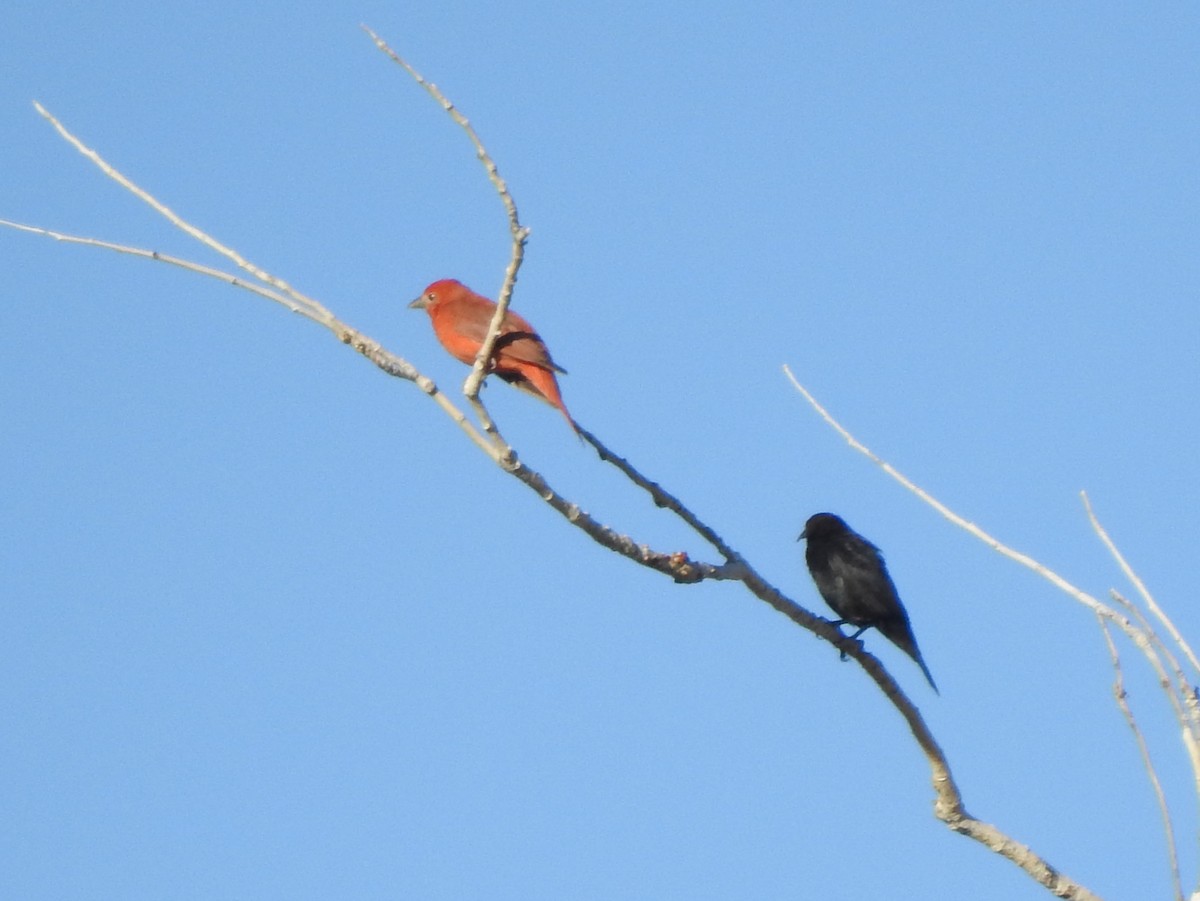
{"x": 539, "y": 382}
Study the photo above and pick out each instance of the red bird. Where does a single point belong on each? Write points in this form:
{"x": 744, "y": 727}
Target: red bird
{"x": 460, "y": 320}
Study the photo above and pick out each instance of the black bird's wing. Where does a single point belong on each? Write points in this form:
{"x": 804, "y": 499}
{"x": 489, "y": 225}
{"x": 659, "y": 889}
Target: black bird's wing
{"x": 852, "y": 578}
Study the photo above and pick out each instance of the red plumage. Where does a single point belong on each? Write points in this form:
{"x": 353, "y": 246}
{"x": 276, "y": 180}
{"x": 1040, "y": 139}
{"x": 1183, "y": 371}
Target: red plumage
{"x": 460, "y": 319}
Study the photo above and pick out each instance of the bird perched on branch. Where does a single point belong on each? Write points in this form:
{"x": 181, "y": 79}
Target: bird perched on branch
{"x": 852, "y": 578}
{"x": 460, "y": 320}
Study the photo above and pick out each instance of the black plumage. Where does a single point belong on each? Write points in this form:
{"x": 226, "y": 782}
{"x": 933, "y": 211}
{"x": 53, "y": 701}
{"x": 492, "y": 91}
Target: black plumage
{"x": 853, "y": 580}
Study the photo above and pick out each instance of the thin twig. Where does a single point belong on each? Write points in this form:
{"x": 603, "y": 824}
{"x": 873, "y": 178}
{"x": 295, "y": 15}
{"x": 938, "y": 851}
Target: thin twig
{"x": 663, "y": 498}
{"x": 198, "y": 268}
{"x": 1119, "y": 695}
{"x": 1133, "y": 577}
{"x": 1166, "y": 666}
{"x": 161, "y": 208}
{"x": 1181, "y": 696}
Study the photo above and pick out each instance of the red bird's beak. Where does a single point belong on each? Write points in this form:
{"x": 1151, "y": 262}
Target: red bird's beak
{"x": 419, "y": 304}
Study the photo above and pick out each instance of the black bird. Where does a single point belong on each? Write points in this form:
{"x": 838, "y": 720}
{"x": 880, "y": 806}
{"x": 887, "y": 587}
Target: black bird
{"x": 853, "y": 580}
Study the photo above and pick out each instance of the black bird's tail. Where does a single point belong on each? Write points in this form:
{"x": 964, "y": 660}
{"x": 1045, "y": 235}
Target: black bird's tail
{"x": 925, "y": 670}
{"x": 900, "y": 634}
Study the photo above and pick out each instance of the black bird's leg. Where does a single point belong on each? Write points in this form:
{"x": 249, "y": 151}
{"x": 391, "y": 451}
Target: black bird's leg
{"x": 838, "y": 623}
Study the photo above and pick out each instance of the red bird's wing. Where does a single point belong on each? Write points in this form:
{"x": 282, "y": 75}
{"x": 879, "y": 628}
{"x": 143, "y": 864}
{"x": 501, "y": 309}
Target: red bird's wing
{"x": 523, "y": 346}
{"x": 462, "y": 323}
{"x": 520, "y": 342}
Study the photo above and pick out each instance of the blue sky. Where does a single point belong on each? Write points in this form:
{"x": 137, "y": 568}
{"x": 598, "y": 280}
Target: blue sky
{"x": 273, "y": 629}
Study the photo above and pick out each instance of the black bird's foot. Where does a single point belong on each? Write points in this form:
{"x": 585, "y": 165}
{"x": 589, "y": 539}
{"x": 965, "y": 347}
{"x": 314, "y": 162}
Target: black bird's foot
{"x": 837, "y": 624}
{"x": 843, "y": 655}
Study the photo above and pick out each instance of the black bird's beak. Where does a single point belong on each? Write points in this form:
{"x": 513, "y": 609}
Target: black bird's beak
{"x": 419, "y": 304}
{"x": 802, "y": 535}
